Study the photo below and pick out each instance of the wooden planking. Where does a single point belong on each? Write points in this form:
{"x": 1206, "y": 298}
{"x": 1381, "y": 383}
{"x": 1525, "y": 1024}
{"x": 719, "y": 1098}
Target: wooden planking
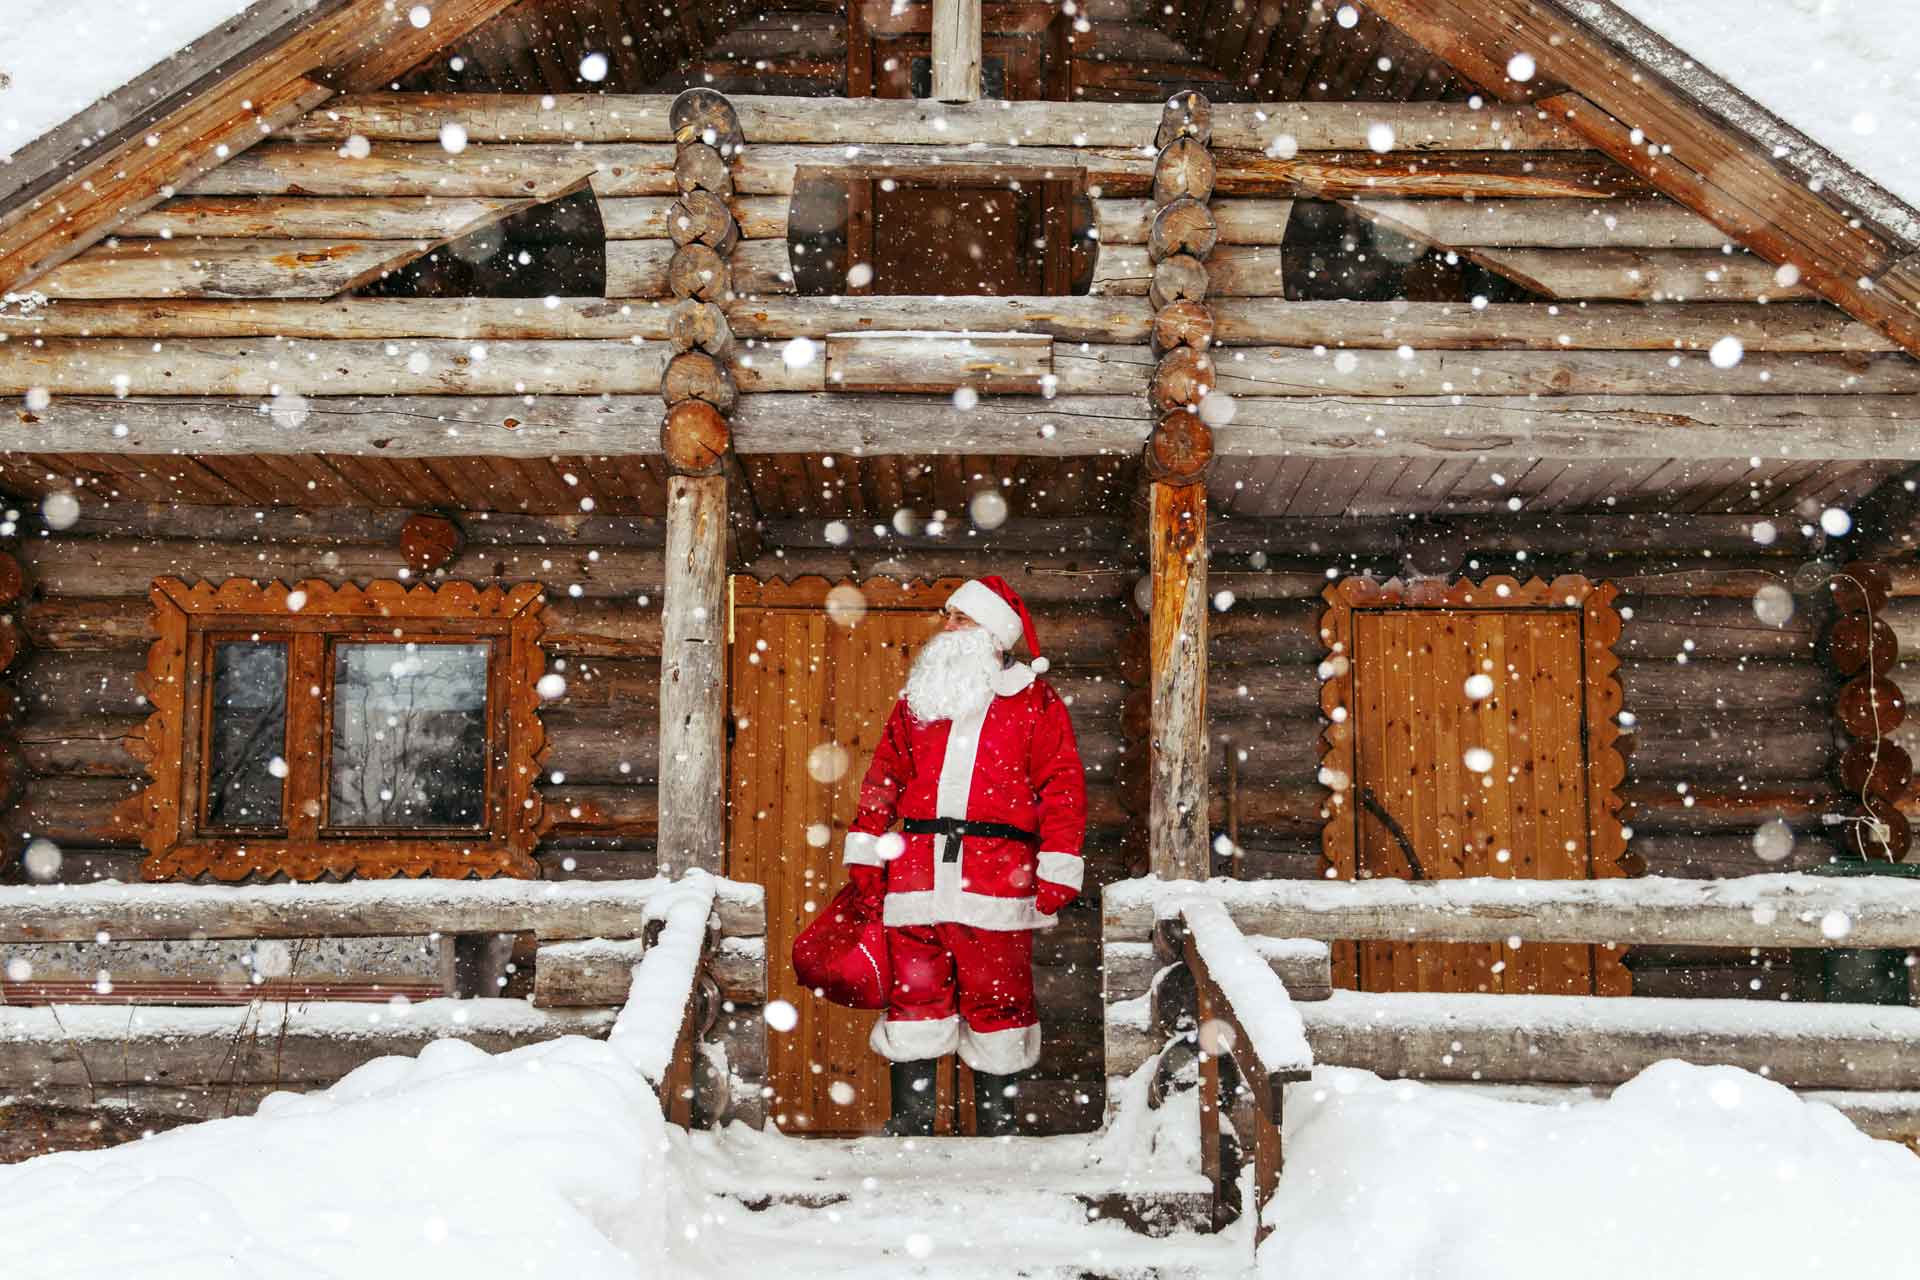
{"x": 268, "y": 268}
{"x": 937, "y": 362}
{"x": 306, "y": 218}
{"x": 1547, "y": 224}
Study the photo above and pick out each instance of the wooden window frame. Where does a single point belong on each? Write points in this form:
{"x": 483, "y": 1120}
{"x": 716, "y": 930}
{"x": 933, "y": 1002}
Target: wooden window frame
{"x": 1600, "y": 687}
{"x": 189, "y": 619}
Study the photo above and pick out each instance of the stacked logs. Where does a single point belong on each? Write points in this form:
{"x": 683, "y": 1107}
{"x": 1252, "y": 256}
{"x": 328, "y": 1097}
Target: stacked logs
{"x": 1874, "y": 770}
{"x": 1163, "y": 776}
{"x": 12, "y": 645}
{"x": 697, "y": 383}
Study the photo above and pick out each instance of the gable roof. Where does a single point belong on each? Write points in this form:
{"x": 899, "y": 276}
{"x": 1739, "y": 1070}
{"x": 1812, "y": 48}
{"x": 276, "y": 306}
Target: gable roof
{"x": 1623, "y": 87}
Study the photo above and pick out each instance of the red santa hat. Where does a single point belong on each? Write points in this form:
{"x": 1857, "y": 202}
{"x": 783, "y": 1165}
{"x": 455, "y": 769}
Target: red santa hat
{"x": 998, "y": 608}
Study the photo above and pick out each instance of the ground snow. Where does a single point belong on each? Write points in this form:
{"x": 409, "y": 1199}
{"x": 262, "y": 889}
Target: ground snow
{"x": 1843, "y": 72}
{"x": 1684, "y": 1173}
{"x": 62, "y": 56}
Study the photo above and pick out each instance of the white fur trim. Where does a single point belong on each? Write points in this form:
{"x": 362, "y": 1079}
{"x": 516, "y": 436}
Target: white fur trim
{"x": 979, "y": 910}
{"x": 862, "y": 850}
{"x": 1010, "y": 680}
{"x": 913, "y": 1041}
{"x": 1068, "y": 870}
{"x": 978, "y": 601}
{"x": 956, "y": 783}
{"x": 1000, "y": 1053}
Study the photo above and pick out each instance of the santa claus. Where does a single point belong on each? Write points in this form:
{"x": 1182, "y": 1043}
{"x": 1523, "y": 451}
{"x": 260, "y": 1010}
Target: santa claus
{"x": 978, "y": 765}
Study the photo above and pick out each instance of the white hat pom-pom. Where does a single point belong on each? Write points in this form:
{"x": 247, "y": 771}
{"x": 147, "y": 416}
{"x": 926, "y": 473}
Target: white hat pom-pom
{"x": 1040, "y": 666}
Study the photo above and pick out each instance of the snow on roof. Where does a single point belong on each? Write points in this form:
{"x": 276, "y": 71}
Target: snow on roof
{"x": 59, "y": 57}
{"x": 1844, "y": 73}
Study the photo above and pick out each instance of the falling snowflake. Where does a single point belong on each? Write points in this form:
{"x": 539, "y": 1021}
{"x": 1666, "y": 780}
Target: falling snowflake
{"x": 593, "y": 68}
{"x": 781, "y": 1015}
{"x": 61, "y": 510}
{"x": 1727, "y": 352}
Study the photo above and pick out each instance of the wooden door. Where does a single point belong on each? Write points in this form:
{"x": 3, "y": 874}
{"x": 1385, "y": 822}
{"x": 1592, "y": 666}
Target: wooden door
{"x": 1473, "y": 750}
{"x": 810, "y": 697}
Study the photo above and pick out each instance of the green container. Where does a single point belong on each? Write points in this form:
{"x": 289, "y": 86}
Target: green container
{"x": 1865, "y": 975}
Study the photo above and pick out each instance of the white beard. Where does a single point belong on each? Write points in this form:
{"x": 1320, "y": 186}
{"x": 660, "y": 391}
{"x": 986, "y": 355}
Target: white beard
{"x": 952, "y": 675}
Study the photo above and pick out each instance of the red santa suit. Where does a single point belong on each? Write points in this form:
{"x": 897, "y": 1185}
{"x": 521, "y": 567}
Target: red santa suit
{"x": 962, "y": 901}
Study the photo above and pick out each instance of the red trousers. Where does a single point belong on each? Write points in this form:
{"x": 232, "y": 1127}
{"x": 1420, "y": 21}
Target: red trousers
{"x": 957, "y": 988}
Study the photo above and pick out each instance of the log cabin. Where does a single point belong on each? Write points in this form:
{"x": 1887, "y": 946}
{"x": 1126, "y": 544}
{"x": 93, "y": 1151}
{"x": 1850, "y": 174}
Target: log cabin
{"x": 1421, "y": 465}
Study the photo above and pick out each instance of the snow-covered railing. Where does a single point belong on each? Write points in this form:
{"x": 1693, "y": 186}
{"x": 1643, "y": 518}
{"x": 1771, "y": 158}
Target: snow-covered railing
{"x": 1242, "y": 1011}
{"x": 1751, "y": 911}
{"x": 361, "y": 908}
{"x": 656, "y": 1029}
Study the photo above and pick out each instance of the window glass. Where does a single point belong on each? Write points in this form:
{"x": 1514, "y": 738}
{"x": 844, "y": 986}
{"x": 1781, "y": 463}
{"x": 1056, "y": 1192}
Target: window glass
{"x": 247, "y": 735}
{"x": 409, "y": 742}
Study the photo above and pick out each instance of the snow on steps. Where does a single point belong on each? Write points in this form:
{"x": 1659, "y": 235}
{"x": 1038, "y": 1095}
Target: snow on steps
{"x": 962, "y": 1207}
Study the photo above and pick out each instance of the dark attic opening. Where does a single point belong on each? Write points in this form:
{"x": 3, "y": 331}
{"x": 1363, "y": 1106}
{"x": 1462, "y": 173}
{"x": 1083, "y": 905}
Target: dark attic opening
{"x": 1333, "y": 252}
{"x": 554, "y": 249}
{"x": 924, "y": 235}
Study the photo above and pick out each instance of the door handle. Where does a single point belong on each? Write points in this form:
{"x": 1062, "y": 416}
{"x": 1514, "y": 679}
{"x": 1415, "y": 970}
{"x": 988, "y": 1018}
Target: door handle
{"x": 1371, "y": 803}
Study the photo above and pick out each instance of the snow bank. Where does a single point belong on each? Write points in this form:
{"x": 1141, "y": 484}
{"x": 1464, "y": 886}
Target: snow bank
{"x": 545, "y": 1161}
{"x": 1685, "y": 1172}
{"x": 1843, "y": 72}
{"x": 59, "y": 57}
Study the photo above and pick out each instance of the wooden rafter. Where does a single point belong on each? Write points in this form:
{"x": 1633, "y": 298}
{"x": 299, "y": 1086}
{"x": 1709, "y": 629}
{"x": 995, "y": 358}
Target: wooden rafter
{"x": 257, "y": 87}
{"x": 1662, "y": 133}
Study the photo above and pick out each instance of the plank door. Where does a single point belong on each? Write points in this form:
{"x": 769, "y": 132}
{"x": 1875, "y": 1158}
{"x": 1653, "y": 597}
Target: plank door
{"x": 810, "y": 699}
{"x": 1465, "y": 786}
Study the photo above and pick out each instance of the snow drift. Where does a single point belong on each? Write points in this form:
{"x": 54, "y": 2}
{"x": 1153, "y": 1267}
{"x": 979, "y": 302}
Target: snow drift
{"x": 1684, "y": 1173}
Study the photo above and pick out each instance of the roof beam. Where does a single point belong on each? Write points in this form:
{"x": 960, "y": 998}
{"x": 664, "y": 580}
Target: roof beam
{"x": 253, "y": 81}
{"x": 1650, "y": 126}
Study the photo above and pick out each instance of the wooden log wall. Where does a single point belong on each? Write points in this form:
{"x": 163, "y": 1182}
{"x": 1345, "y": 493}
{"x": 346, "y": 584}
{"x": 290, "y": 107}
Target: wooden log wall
{"x": 83, "y": 629}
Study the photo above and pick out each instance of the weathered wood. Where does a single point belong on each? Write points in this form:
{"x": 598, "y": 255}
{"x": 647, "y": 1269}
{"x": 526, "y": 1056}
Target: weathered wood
{"x": 1177, "y": 816}
{"x": 700, "y": 326}
{"x": 1756, "y": 911}
{"x": 1862, "y": 641}
{"x": 696, "y": 271}
{"x": 1182, "y": 379}
{"x": 306, "y": 218}
{"x": 1869, "y": 428}
{"x": 12, "y": 579}
{"x": 1182, "y": 324}
{"x": 1605, "y": 1041}
{"x": 1180, "y": 449}
{"x": 694, "y": 437}
{"x": 1875, "y": 767}
{"x": 587, "y": 973}
{"x": 694, "y": 375}
{"x": 430, "y": 542}
{"x": 955, "y": 48}
{"x": 1184, "y": 168}
{"x": 701, "y": 217}
{"x": 1185, "y": 115}
{"x": 1358, "y": 326}
{"x": 268, "y": 268}
{"x": 1868, "y": 707}
{"x": 572, "y": 909}
{"x": 311, "y": 1043}
{"x": 1009, "y": 363}
{"x": 1545, "y": 224}
{"x": 693, "y": 678}
{"x": 545, "y": 171}
{"x": 703, "y": 116}
{"x": 1182, "y": 226}
{"x": 1655, "y": 275}
{"x": 1180, "y": 278}
{"x": 700, "y": 167}
{"x": 1315, "y": 126}
{"x": 1862, "y": 587}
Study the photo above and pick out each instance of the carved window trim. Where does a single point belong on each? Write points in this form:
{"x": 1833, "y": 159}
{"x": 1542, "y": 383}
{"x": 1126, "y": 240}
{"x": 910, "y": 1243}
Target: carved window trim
{"x": 187, "y": 619}
{"x": 1600, "y": 691}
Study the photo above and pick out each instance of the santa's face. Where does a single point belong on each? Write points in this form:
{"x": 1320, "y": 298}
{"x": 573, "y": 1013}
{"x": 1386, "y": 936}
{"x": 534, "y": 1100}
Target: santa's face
{"x": 952, "y": 675}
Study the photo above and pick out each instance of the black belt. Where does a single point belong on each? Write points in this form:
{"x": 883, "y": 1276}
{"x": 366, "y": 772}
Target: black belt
{"x": 965, "y": 827}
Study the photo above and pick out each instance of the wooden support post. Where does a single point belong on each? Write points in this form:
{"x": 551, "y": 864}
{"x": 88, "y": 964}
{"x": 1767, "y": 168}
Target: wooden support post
{"x": 1177, "y": 458}
{"x": 1177, "y": 805}
{"x": 956, "y": 50}
{"x": 693, "y": 649}
{"x": 698, "y": 387}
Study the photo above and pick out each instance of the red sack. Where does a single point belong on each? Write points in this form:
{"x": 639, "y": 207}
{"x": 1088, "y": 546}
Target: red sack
{"x": 842, "y": 955}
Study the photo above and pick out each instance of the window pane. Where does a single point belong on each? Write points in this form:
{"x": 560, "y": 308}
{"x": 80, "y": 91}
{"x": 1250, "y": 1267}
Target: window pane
{"x": 247, "y": 735}
{"x": 409, "y": 735}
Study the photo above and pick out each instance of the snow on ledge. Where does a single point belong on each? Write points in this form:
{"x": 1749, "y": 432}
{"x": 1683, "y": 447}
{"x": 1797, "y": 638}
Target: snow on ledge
{"x": 1782, "y": 910}
{"x": 1255, "y": 993}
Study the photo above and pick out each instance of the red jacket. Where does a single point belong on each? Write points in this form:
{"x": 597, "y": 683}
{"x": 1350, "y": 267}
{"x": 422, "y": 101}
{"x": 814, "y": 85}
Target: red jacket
{"x": 1015, "y": 763}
